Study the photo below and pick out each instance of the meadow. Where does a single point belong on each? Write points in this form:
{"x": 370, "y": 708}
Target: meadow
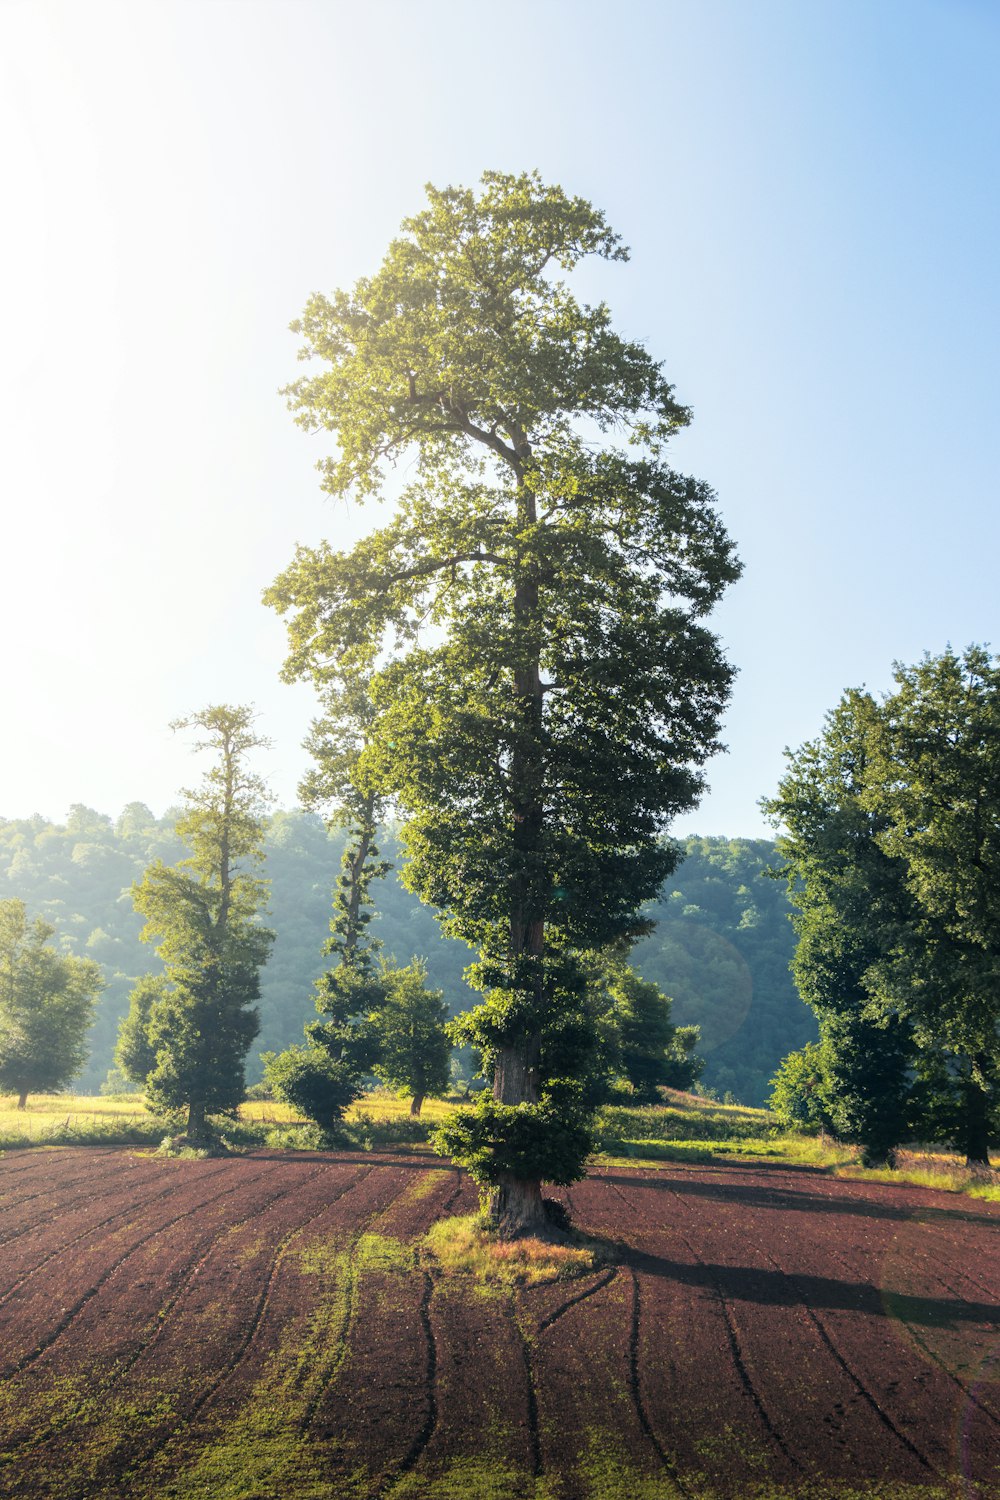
{"x": 688, "y": 1128}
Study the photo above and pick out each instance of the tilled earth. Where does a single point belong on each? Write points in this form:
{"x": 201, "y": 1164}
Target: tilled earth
{"x": 268, "y": 1327}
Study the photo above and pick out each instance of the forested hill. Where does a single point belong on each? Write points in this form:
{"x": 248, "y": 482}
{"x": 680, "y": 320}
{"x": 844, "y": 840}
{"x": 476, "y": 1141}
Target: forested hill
{"x": 721, "y": 947}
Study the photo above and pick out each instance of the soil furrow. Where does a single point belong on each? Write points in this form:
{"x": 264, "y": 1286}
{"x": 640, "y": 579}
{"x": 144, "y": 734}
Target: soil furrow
{"x": 74, "y": 1243}
{"x": 852, "y": 1374}
{"x": 419, "y": 1445}
{"x": 74, "y": 1312}
{"x": 634, "y": 1385}
{"x": 84, "y": 1182}
{"x": 130, "y": 1473}
{"x": 564, "y": 1307}
{"x": 931, "y": 1353}
{"x": 733, "y": 1339}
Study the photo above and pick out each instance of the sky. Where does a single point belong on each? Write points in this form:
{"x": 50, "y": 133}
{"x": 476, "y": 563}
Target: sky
{"x": 810, "y": 195}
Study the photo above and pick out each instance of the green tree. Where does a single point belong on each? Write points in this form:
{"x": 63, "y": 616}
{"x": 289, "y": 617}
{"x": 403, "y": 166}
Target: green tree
{"x": 323, "y": 1078}
{"x": 47, "y": 1002}
{"x": 545, "y": 691}
{"x": 202, "y": 914}
{"x": 935, "y": 783}
{"x": 852, "y": 912}
{"x": 134, "y": 1052}
{"x": 414, "y": 1052}
{"x": 647, "y": 1049}
{"x": 800, "y": 1090}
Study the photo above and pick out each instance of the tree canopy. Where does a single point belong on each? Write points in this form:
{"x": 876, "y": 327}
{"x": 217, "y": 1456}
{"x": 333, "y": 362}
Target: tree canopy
{"x": 47, "y": 1002}
{"x": 892, "y": 850}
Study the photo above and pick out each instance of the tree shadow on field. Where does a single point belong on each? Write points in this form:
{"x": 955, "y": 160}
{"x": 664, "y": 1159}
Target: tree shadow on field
{"x": 776, "y": 1289}
{"x": 747, "y": 1195}
{"x": 411, "y": 1162}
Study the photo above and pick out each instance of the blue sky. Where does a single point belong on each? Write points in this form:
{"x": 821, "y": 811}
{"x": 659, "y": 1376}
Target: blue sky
{"x": 810, "y": 194}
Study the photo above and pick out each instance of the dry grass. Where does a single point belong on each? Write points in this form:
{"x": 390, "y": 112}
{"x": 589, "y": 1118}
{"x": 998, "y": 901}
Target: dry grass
{"x": 943, "y": 1170}
{"x": 467, "y": 1247}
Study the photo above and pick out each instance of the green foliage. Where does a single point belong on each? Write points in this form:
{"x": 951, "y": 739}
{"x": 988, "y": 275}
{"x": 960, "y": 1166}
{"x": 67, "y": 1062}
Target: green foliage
{"x": 546, "y": 1142}
{"x": 320, "y": 1086}
{"x": 648, "y": 1049}
{"x": 47, "y": 1005}
{"x": 894, "y": 866}
{"x": 413, "y": 1047}
{"x": 935, "y": 782}
{"x": 202, "y": 915}
{"x": 721, "y": 948}
{"x": 539, "y": 740}
{"x": 800, "y": 1091}
{"x": 135, "y": 1054}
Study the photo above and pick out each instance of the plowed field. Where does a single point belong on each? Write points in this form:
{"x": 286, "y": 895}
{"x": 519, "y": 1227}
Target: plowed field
{"x": 268, "y": 1328}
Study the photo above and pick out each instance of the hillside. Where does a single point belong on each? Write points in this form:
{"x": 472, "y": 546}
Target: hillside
{"x": 721, "y": 947}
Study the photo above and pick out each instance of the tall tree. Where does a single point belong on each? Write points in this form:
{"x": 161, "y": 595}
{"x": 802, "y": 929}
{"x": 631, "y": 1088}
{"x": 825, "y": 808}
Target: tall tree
{"x": 935, "y": 781}
{"x": 852, "y": 908}
{"x": 47, "y": 1002}
{"x": 545, "y": 691}
{"x": 323, "y": 1078}
{"x": 202, "y": 914}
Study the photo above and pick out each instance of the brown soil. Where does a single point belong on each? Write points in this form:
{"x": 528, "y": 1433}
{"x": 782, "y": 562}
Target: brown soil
{"x": 269, "y": 1326}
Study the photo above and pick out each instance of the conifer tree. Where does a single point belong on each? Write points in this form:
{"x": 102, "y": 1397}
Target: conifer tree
{"x": 203, "y": 916}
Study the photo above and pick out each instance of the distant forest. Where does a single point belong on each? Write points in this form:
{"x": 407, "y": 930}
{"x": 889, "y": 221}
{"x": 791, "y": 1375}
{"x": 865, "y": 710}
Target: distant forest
{"x": 721, "y": 947}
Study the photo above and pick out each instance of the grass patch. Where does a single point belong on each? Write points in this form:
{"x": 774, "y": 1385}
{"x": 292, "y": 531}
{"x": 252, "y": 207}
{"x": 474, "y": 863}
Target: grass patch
{"x": 686, "y": 1117}
{"x": 467, "y": 1246}
{"x": 943, "y": 1171}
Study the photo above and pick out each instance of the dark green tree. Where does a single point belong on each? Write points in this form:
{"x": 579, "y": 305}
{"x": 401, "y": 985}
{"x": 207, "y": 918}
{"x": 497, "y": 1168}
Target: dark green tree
{"x": 646, "y": 1048}
{"x": 852, "y": 910}
{"x": 134, "y": 1053}
{"x": 203, "y": 916}
{"x": 934, "y": 783}
{"x": 531, "y": 618}
{"x": 413, "y": 1047}
{"x": 800, "y": 1090}
{"x": 323, "y": 1078}
{"x": 47, "y": 1002}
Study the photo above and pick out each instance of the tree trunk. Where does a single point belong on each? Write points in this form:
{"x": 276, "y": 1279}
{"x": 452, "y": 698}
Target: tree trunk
{"x": 516, "y": 1206}
{"x": 22, "y": 1102}
{"x": 976, "y": 1124}
{"x": 516, "y": 1203}
{"x": 416, "y": 1104}
{"x": 196, "y": 1121}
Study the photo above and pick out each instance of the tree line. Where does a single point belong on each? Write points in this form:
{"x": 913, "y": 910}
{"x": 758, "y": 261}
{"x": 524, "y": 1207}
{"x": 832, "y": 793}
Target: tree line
{"x": 720, "y": 947}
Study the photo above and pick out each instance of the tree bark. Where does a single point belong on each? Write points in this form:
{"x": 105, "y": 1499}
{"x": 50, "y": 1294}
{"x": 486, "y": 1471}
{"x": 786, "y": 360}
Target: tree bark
{"x": 976, "y": 1124}
{"x": 516, "y": 1203}
{"x": 416, "y": 1104}
{"x": 516, "y": 1206}
{"x": 22, "y": 1102}
{"x": 196, "y": 1121}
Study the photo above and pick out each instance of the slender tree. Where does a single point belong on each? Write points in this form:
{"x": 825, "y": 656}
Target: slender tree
{"x": 545, "y": 691}
{"x": 203, "y": 916}
{"x": 324, "y": 1077}
{"x": 47, "y": 1002}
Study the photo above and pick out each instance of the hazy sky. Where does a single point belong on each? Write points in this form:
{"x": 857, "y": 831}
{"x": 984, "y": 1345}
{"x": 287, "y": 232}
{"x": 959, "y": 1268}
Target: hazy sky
{"x": 810, "y": 193}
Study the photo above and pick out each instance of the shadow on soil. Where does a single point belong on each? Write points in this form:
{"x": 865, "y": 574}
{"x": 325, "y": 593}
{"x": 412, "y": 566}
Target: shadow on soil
{"x": 748, "y": 1196}
{"x": 776, "y": 1289}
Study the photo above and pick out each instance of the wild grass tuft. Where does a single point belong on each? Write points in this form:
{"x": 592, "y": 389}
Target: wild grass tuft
{"x": 468, "y": 1246}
